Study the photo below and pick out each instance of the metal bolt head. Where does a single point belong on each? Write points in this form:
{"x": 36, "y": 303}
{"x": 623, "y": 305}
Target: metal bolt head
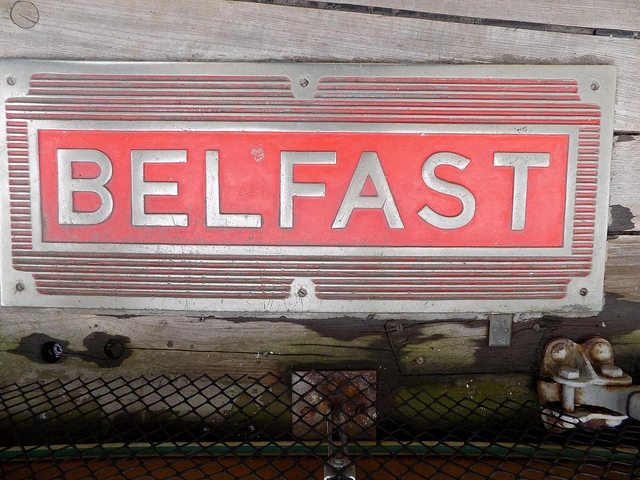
{"x": 560, "y": 352}
{"x": 304, "y": 82}
{"x": 584, "y": 292}
{"x": 51, "y": 352}
{"x": 11, "y": 80}
{"x": 419, "y": 360}
{"x": 611, "y": 371}
{"x": 595, "y": 86}
{"x": 114, "y": 349}
{"x": 20, "y": 287}
{"x": 601, "y": 352}
{"x": 24, "y": 14}
{"x": 302, "y": 292}
{"x": 570, "y": 373}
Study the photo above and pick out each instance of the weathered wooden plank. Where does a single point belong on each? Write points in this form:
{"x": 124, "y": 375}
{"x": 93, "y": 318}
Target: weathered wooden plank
{"x": 183, "y": 344}
{"x": 219, "y": 30}
{"x": 614, "y": 14}
{"x": 622, "y": 275}
{"x": 439, "y": 347}
{"x": 625, "y": 178}
{"x": 197, "y": 345}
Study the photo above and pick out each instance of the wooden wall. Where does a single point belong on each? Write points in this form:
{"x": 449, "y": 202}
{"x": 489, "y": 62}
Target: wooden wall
{"x": 397, "y": 31}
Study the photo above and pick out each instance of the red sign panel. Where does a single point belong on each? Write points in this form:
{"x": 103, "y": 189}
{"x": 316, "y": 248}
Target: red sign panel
{"x": 305, "y": 188}
{"x": 291, "y": 188}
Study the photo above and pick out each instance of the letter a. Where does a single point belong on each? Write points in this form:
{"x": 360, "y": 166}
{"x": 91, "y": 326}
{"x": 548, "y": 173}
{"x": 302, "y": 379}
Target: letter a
{"x": 368, "y": 167}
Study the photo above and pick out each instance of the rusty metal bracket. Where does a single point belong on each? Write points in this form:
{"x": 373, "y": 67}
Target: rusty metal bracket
{"x": 584, "y": 381}
{"x": 339, "y": 465}
{"x": 337, "y": 407}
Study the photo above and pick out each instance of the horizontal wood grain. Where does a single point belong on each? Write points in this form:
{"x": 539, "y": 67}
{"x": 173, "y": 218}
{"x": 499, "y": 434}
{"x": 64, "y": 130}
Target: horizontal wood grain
{"x": 187, "y": 30}
{"x": 197, "y": 345}
{"x": 614, "y": 14}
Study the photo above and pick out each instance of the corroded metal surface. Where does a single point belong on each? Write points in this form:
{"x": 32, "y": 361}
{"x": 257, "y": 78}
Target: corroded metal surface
{"x": 316, "y": 395}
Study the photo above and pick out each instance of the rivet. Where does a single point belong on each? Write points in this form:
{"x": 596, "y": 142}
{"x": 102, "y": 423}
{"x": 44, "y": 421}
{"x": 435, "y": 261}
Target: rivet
{"x": 24, "y": 14}
{"x": 304, "y": 81}
{"x": 595, "y": 86}
{"x": 20, "y": 287}
{"x": 584, "y": 292}
{"x": 301, "y": 292}
{"x": 51, "y": 352}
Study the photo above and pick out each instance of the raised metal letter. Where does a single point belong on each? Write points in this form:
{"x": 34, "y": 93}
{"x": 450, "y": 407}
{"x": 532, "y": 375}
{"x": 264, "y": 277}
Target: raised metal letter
{"x": 67, "y": 185}
{"x": 368, "y": 167}
{"x": 140, "y": 188}
{"x": 454, "y": 189}
{"x": 214, "y": 217}
{"x": 520, "y": 163}
{"x": 290, "y": 189}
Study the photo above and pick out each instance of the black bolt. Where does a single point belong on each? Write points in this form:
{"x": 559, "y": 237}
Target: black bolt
{"x": 114, "y": 349}
{"x": 51, "y": 352}
{"x": 584, "y": 292}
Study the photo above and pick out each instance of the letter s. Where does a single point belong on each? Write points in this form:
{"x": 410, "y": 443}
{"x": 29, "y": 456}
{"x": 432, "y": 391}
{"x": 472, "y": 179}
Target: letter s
{"x": 448, "y": 188}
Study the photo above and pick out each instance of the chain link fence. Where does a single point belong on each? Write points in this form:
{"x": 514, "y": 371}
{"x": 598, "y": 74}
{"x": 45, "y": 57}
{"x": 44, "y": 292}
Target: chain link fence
{"x": 305, "y": 425}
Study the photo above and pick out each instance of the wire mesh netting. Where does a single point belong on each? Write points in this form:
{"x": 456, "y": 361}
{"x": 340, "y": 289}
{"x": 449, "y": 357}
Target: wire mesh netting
{"x": 305, "y": 425}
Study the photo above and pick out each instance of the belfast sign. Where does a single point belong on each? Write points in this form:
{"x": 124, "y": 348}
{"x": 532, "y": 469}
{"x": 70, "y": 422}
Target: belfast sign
{"x": 306, "y": 189}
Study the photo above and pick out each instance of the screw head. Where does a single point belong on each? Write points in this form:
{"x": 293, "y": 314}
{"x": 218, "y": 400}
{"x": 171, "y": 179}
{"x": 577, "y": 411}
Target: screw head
{"x": 304, "y": 82}
{"x": 20, "y": 287}
{"x": 584, "y": 292}
{"x": 420, "y": 360}
{"x": 595, "y": 86}
{"x": 11, "y": 80}
{"x": 51, "y": 352}
{"x": 301, "y": 292}
{"x": 339, "y": 461}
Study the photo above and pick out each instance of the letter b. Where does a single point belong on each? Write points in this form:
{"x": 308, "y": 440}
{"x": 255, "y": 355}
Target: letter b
{"x": 67, "y": 185}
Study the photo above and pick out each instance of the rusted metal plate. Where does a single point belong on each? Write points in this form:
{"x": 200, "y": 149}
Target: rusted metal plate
{"x": 342, "y": 400}
{"x": 305, "y": 189}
